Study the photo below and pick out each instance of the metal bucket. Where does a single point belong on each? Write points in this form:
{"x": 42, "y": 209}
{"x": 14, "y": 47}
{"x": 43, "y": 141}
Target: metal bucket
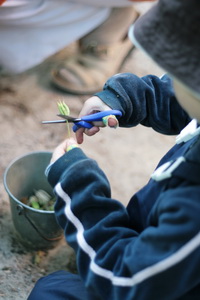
{"x": 36, "y": 229}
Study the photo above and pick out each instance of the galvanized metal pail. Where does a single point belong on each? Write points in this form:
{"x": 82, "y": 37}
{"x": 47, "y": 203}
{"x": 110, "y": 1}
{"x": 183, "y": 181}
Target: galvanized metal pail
{"x": 36, "y": 229}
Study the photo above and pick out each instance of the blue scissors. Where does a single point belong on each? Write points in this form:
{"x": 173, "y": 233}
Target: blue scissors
{"x": 85, "y": 121}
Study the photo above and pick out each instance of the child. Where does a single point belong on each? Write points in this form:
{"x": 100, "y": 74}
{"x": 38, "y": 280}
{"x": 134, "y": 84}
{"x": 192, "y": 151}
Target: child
{"x": 151, "y": 249}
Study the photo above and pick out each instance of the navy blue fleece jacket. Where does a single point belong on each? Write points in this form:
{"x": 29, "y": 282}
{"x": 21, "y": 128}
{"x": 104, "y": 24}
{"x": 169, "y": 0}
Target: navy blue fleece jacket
{"x": 149, "y": 250}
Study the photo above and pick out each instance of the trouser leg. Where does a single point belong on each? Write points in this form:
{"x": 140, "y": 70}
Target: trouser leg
{"x": 60, "y": 285}
{"x": 48, "y": 26}
{"x": 101, "y": 54}
{"x": 113, "y": 29}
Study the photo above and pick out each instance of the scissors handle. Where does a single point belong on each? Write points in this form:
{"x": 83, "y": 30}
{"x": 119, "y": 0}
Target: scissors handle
{"x": 86, "y": 121}
{"x": 98, "y": 116}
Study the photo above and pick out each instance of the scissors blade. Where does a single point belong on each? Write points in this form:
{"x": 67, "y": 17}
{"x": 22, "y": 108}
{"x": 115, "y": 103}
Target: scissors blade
{"x": 66, "y": 118}
{"x": 69, "y": 118}
{"x": 54, "y": 122}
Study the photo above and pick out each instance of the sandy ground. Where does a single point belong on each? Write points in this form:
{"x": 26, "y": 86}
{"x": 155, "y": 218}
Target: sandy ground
{"x": 127, "y": 156}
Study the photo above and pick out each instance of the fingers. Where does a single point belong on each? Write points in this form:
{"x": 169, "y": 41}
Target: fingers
{"x": 92, "y": 131}
{"x": 111, "y": 121}
{"x": 92, "y": 105}
{"x": 60, "y": 150}
{"x": 89, "y": 132}
{"x": 69, "y": 143}
{"x": 79, "y": 135}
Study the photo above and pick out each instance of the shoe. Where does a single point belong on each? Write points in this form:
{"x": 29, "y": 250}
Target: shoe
{"x": 101, "y": 55}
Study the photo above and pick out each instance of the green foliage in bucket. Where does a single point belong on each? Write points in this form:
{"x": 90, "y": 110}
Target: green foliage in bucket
{"x": 40, "y": 200}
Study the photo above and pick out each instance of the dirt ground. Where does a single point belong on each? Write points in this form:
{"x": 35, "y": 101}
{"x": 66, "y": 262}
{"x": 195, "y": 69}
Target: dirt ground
{"x": 127, "y": 156}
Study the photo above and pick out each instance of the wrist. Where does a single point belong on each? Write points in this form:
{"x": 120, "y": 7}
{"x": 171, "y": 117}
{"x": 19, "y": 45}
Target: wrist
{"x": 71, "y": 147}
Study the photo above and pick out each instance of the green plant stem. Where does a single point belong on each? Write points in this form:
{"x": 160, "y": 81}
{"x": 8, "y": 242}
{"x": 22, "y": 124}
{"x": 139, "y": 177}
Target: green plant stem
{"x": 64, "y": 110}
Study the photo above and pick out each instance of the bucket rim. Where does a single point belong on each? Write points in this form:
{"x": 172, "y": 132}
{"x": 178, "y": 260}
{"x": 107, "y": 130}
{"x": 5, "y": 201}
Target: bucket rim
{"x": 9, "y": 192}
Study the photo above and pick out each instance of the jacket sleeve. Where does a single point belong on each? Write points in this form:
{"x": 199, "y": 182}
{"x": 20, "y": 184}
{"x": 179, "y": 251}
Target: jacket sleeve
{"x": 114, "y": 260}
{"x": 149, "y": 101}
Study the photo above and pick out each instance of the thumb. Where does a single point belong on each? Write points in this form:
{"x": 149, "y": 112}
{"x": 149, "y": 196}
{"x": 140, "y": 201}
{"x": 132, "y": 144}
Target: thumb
{"x": 111, "y": 121}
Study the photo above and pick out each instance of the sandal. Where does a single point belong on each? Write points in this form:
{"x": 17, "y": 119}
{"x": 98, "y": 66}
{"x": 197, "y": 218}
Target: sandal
{"x": 86, "y": 72}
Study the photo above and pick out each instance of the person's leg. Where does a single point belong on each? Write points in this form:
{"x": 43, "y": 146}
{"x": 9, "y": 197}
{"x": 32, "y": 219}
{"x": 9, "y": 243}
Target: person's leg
{"x": 31, "y": 31}
{"x": 102, "y": 53}
{"x": 60, "y": 285}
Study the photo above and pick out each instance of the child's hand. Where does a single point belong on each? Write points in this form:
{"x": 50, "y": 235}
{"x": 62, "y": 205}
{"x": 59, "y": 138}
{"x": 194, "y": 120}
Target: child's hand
{"x": 64, "y": 147}
{"x": 91, "y": 106}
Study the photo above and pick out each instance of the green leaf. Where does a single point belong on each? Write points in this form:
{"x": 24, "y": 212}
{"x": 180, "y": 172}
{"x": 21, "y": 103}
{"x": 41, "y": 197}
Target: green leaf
{"x": 35, "y": 205}
{"x": 63, "y": 108}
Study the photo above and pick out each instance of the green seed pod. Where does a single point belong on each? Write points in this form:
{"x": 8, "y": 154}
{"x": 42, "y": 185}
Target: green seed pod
{"x": 35, "y": 205}
{"x": 32, "y": 199}
{"x": 42, "y": 196}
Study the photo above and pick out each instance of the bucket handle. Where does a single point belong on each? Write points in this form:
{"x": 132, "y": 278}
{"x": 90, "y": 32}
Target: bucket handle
{"x": 21, "y": 211}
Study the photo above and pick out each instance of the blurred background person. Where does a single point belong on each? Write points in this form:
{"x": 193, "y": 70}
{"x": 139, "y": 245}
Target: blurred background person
{"x": 32, "y": 31}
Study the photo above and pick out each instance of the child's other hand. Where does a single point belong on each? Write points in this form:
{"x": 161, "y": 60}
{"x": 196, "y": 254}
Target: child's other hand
{"x": 91, "y": 106}
{"x": 64, "y": 147}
